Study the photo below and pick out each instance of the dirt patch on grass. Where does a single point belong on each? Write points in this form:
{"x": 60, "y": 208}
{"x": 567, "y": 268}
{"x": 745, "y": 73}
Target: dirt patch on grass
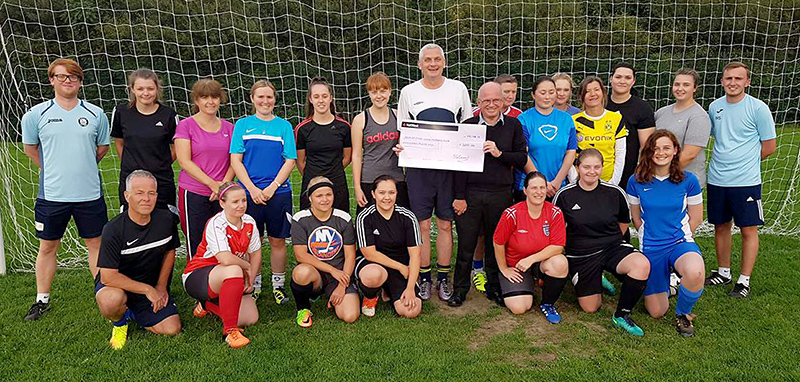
{"x": 502, "y": 324}
{"x": 476, "y": 304}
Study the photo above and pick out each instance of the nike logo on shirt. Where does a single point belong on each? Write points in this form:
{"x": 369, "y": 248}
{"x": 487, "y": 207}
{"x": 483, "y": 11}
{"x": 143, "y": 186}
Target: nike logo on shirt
{"x": 248, "y": 131}
{"x": 131, "y": 242}
{"x": 647, "y": 189}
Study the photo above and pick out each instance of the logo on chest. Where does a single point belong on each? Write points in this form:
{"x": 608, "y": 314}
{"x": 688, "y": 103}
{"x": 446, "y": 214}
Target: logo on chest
{"x": 83, "y": 121}
{"x": 546, "y": 228}
{"x": 325, "y": 242}
{"x": 548, "y": 131}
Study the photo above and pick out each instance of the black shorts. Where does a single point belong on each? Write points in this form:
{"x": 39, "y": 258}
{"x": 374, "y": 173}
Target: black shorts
{"x": 520, "y": 289}
{"x": 273, "y": 219}
{"x": 142, "y": 309}
{"x": 51, "y": 218}
{"x": 329, "y": 284}
{"x": 196, "y": 285}
{"x": 395, "y": 283}
{"x": 429, "y": 191}
{"x": 740, "y": 204}
{"x": 587, "y": 272}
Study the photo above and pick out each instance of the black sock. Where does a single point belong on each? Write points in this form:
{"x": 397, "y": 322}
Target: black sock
{"x": 632, "y": 290}
{"x": 552, "y": 288}
{"x": 367, "y": 291}
{"x": 442, "y": 271}
{"x": 302, "y": 295}
{"x": 425, "y": 273}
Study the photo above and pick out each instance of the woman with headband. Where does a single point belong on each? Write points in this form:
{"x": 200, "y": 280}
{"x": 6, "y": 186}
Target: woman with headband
{"x": 221, "y": 275}
{"x": 324, "y": 240}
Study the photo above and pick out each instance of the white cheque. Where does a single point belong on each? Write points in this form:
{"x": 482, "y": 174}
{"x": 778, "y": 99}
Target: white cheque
{"x": 442, "y": 146}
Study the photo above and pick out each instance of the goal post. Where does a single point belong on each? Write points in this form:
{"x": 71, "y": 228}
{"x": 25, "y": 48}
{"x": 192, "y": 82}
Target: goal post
{"x": 290, "y": 41}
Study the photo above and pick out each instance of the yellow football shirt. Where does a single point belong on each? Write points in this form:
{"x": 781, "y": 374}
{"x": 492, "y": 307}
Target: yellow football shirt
{"x": 600, "y": 133}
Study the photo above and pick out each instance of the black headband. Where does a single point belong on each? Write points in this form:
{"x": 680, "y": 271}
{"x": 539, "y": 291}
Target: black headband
{"x": 317, "y": 186}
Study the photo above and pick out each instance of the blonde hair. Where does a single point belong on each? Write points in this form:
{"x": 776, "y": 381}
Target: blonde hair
{"x": 143, "y": 74}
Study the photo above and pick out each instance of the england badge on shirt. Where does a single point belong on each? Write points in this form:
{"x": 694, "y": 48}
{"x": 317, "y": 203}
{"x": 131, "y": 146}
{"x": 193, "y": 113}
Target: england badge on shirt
{"x": 546, "y": 228}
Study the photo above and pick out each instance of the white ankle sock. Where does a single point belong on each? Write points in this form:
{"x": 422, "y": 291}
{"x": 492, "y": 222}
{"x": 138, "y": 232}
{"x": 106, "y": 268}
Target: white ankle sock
{"x": 43, "y": 297}
{"x": 724, "y": 272}
{"x": 278, "y": 280}
{"x": 745, "y": 280}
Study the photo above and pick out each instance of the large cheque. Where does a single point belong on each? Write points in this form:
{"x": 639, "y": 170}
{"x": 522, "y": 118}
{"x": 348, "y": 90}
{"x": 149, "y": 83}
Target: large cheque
{"x": 442, "y": 146}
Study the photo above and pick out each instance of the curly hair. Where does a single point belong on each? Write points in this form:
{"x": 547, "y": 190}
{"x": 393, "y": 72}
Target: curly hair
{"x": 646, "y": 169}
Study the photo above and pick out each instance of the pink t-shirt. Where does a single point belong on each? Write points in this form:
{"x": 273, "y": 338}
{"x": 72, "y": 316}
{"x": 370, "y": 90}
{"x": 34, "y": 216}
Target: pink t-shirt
{"x": 210, "y": 152}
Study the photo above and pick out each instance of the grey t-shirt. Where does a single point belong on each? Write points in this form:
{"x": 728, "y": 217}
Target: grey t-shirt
{"x": 378, "y": 141}
{"x": 691, "y": 127}
{"x": 324, "y": 240}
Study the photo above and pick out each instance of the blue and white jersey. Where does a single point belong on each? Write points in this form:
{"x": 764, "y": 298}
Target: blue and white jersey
{"x": 266, "y": 146}
{"x": 664, "y": 206}
{"x": 548, "y": 138}
{"x": 67, "y": 141}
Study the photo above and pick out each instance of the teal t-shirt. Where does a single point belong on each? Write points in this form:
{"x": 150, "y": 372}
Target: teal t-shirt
{"x": 68, "y": 141}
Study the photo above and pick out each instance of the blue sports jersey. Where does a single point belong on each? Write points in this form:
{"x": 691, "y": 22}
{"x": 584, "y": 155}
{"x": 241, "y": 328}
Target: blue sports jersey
{"x": 738, "y": 129}
{"x": 266, "y": 145}
{"x": 68, "y": 141}
{"x": 548, "y": 138}
{"x": 664, "y": 206}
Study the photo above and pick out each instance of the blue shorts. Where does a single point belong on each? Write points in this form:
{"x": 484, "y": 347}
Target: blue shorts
{"x": 742, "y": 204}
{"x": 662, "y": 262}
{"x": 52, "y": 218}
{"x": 429, "y": 191}
{"x": 275, "y": 218}
{"x": 142, "y": 309}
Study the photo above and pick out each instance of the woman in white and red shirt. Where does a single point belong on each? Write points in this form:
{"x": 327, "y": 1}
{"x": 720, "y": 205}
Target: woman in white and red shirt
{"x": 222, "y": 272}
{"x": 528, "y": 242}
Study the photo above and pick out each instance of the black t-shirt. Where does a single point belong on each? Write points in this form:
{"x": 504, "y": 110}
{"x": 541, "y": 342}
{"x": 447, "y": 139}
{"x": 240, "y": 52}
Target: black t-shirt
{"x": 138, "y": 251}
{"x": 324, "y": 146}
{"x": 498, "y": 173}
{"x": 147, "y": 142}
{"x": 637, "y": 115}
{"x": 592, "y": 217}
{"x": 390, "y": 237}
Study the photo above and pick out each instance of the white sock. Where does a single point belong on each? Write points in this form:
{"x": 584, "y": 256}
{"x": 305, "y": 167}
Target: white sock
{"x": 257, "y": 282}
{"x": 43, "y": 297}
{"x": 724, "y": 272}
{"x": 278, "y": 279}
{"x": 744, "y": 280}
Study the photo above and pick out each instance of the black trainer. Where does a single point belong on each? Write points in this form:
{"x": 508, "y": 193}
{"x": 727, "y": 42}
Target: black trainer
{"x": 456, "y": 300}
{"x": 37, "y": 310}
{"x": 684, "y": 326}
{"x": 717, "y": 279}
{"x": 740, "y": 291}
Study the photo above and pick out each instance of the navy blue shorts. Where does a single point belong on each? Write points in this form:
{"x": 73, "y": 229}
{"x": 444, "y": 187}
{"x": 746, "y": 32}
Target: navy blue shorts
{"x": 662, "y": 262}
{"x": 142, "y": 309}
{"x": 429, "y": 191}
{"x": 52, "y": 218}
{"x": 275, "y": 218}
{"x": 742, "y": 204}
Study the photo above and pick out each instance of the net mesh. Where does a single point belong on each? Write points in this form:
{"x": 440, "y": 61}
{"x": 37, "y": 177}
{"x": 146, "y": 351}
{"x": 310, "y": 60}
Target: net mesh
{"x": 287, "y": 41}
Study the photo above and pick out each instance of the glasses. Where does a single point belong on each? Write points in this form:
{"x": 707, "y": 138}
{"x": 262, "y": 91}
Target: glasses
{"x": 496, "y": 101}
{"x": 64, "y": 77}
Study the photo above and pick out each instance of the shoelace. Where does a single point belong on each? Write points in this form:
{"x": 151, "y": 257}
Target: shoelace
{"x": 550, "y": 309}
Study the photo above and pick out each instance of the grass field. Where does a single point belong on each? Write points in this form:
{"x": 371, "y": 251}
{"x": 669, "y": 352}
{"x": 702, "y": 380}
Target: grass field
{"x": 753, "y": 339}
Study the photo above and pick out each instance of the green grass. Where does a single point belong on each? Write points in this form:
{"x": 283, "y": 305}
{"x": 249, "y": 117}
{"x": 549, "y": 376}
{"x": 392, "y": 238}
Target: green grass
{"x": 753, "y": 339}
